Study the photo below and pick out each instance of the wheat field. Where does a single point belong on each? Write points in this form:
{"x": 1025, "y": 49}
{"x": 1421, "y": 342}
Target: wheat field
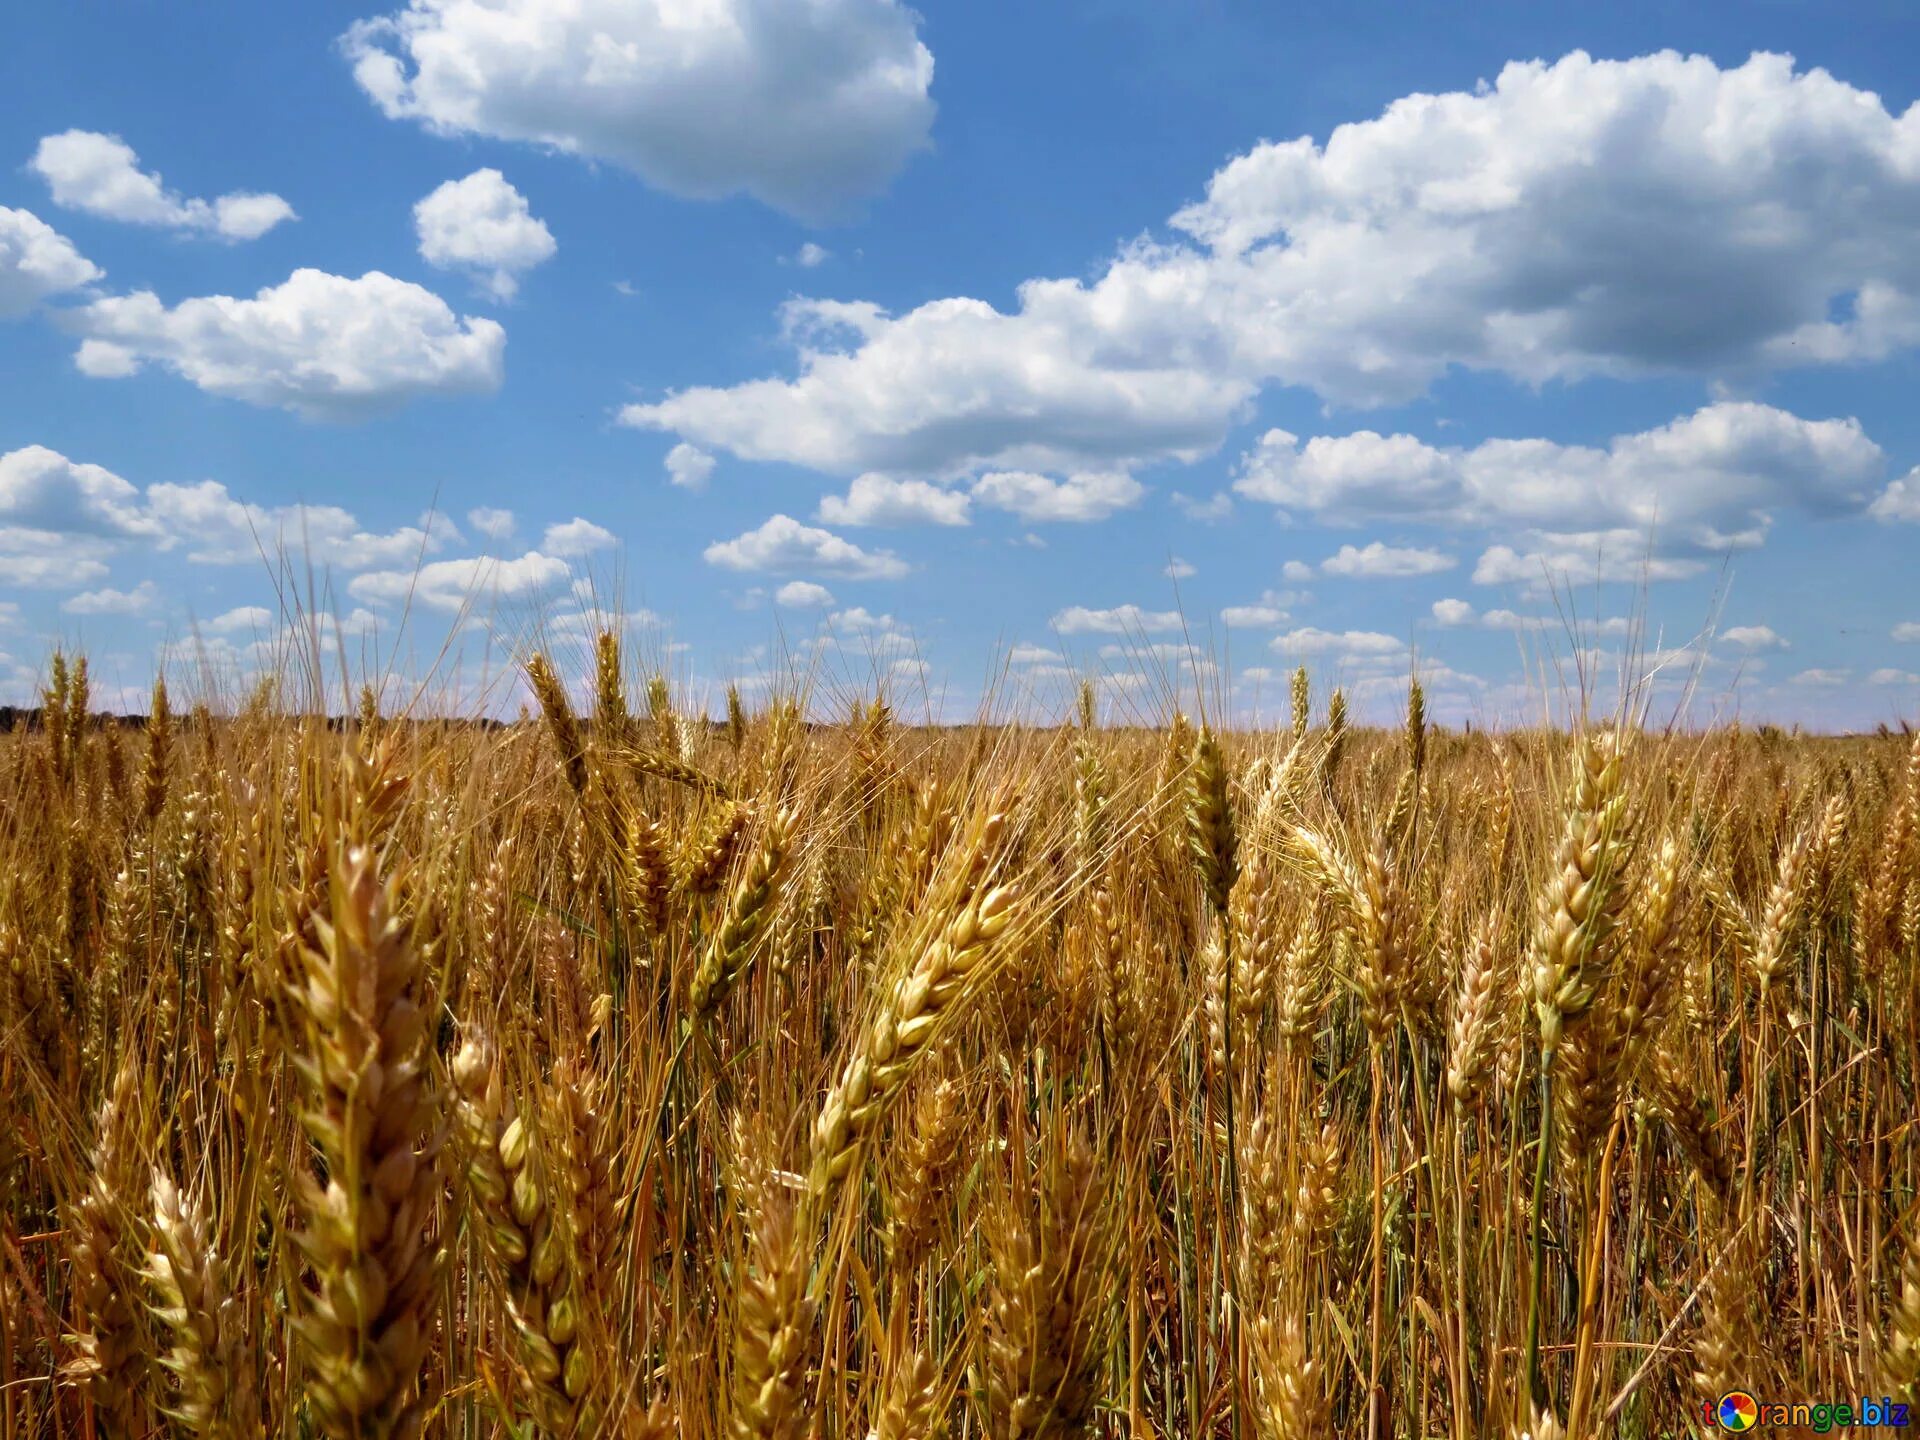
{"x": 621, "y": 1072}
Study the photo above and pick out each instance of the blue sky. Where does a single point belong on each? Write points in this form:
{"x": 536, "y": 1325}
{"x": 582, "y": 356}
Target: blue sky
{"x": 924, "y": 343}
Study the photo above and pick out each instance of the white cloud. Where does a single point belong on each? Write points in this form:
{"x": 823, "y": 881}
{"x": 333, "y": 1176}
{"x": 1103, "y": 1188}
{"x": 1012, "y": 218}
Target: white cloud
{"x": 42, "y": 560}
{"x": 453, "y": 584}
{"x": 320, "y": 345}
{"x": 805, "y": 107}
{"x": 1438, "y": 681}
{"x": 1452, "y": 612}
{"x": 1619, "y": 556}
{"x": 803, "y": 595}
{"x": 1711, "y": 479}
{"x": 948, "y": 390}
{"x": 1376, "y": 561}
{"x": 1270, "y": 610}
{"x": 1310, "y": 640}
{"x": 1178, "y": 569}
{"x": 1211, "y": 511}
{"x": 244, "y": 618}
{"x": 491, "y": 521}
{"x": 41, "y": 489}
{"x": 878, "y": 636}
{"x": 1024, "y": 654}
{"x": 1907, "y": 630}
{"x": 1753, "y": 637}
{"x": 858, "y": 620}
{"x": 36, "y": 261}
{"x": 575, "y": 538}
{"x": 482, "y": 225}
{"x": 222, "y": 530}
{"x": 112, "y": 602}
{"x": 1083, "y": 496}
{"x": 1121, "y": 620}
{"x": 1900, "y": 500}
{"x": 101, "y": 175}
{"x": 810, "y": 255}
{"x": 1509, "y": 620}
{"x": 1821, "y": 679}
{"x": 875, "y": 499}
{"x": 1889, "y": 676}
{"x": 1650, "y": 216}
{"x": 1296, "y": 571}
{"x": 689, "y": 467}
{"x": 782, "y": 543}
{"x": 1165, "y": 652}
{"x": 60, "y": 520}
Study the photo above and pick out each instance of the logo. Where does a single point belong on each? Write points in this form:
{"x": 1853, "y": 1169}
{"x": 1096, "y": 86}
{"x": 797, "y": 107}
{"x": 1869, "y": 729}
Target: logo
{"x": 1737, "y": 1411}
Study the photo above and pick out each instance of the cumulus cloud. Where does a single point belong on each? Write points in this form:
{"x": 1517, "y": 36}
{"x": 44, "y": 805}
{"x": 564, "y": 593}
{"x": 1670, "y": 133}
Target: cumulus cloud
{"x": 1296, "y": 571}
{"x": 1710, "y": 479}
{"x": 1754, "y": 637}
{"x": 810, "y": 255}
{"x": 1310, "y": 640}
{"x": 220, "y": 529}
{"x": 1651, "y": 216}
{"x": 61, "y": 520}
{"x": 1211, "y": 511}
{"x": 575, "y": 538}
{"x": 1452, "y": 613}
{"x": 1900, "y": 501}
{"x": 858, "y": 620}
{"x": 33, "y": 558}
{"x": 1907, "y": 630}
{"x": 877, "y": 636}
{"x": 1376, "y": 561}
{"x": 41, "y": 489}
{"x": 108, "y": 601}
{"x": 782, "y": 543}
{"x": 483, "y": 226}
{"x": 452, "y": 585}
{"x": 1616, "y": 556}
{"x": 946, "y": 390}
{"x": 491, "y": 521}
{"x": 1078, "y": 498}
{"x": 875, "y": 499}
{"x": 101, "y": 175}
{"x": 235, "y": 621}
{"x": 1178, "y": 569}
{"x": 1120, "y": 620}
{"x": 689, "y": 467}
{"x": 1821, "y": 679}
{"x": 1024, "y": 654}
{"x": 323, "y": 346}
{"x": 1270, "y": 610}
{"x": 1890, "y": 676}
{"x": 36, "y": 261}
{"x": 805, "y": 107}
{"x": 803, "y": 595}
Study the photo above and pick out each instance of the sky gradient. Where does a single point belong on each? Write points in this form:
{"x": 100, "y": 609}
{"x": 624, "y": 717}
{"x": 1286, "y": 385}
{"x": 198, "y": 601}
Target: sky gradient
{"x": 971, "y": 348}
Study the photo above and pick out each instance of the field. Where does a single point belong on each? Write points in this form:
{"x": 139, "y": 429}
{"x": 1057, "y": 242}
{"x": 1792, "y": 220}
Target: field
{"x": 618, "y": 1072}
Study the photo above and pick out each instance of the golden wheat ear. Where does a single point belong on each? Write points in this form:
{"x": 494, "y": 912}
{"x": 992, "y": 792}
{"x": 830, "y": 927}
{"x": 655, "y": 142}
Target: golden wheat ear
{"x": 369, "y": 1239}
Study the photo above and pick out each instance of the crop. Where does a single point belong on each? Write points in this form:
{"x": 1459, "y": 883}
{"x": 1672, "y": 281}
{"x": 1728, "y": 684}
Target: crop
{"x": 620, "y": 1072}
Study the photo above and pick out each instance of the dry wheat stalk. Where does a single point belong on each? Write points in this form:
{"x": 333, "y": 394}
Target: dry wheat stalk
{"x": 373, "y": 1112}
{"x": 1046, "y": 1336}
{"x": 948, "y": 955}
{"x": 211, "y": 1354}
